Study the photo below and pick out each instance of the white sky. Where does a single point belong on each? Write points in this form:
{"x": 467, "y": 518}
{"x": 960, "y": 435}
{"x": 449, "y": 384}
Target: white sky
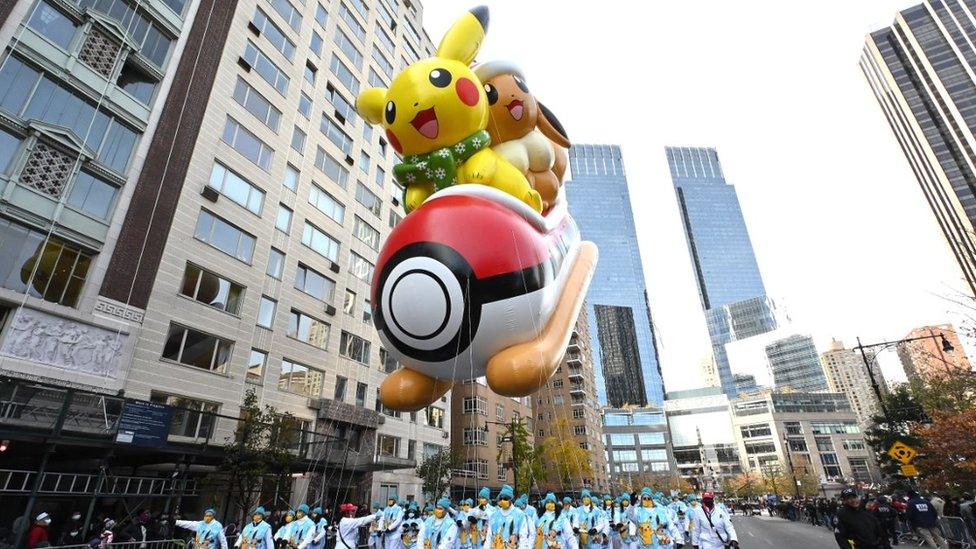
{"x": 841, "y": 230}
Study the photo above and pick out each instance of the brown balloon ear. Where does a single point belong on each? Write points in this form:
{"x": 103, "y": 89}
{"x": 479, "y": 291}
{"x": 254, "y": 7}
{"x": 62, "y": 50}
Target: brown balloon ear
{"x": 550, "y": 126}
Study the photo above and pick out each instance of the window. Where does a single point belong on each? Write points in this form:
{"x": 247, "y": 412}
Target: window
{"x": 384, "y": 39}
{"x": 367, "y": 312}
{"x": 361, "y": 7}
{"x": 53, "y": 25}
{"x": 793, "y": 428}
{"x": 92, "y": 195}
{"x": 558, "y": 400}
{"x": 557, "y": 383}
{"x": 387, "y": 445}
{"x": 236, "y": 188}
{"x": 298, "y": 140}
{"x": 625, "y": 455}
{"x": 137, "y": 82}
{"x": 387, "y": 15}
{"x": 502, "y": 473}
{"x": 347, "y": 47}
{"x": 300, "y": 379}
{"x": 150, "y": 41}
{"x": 367, "y": 132}
{"x": 9, "y": 145}
{"x": 331, "y": 167}
{"x": 276, "y": 263}
{"x": 796, "y": 445}
{"x": 411, "y": 449}
{"x": 320, "y": 242}
{"x": 366, "y": 197}
{"x": 395, "y": 218}
{"x": 758, "y": 430}
{"x": 830, "y": 463}
{"x": 291, "y": 178}
{"x": 310, "y": 72}
{"x": 853, "y": 445}
{"x": 578, "y": 413}
{"x": 648, "y": 418}
{"x": 314, "y": 283}
{"x": 475, "y": 436}
{"x": 266, "y": 68}
{"x": 387, "y": 362}
{"x": 211, "y": 289}
{"x": 363, "y": 162}
{"x": 340, "y": 389}
{"x": 316, "y": 43}
{"x": 824, "y": 444}
{"x": 388, "y": 491}
{"x": 256, "y": 364}
{"x": 412, "y": 32}
{"x": 361, "y": 394}
{"x": 321, "y": 16}
{"x": 834, "y": 427}
{"x": 197, "y": 349}
{"x": 499, "y": 412}
{"x": 475, "y": 468}
{"x": 326, "y": 203}
{"x": 335, "y": 134}
{"x": 376, "y": 81}
{"x": 247, "y": 144}
{"x": 288, "y": 12}
{"x": 616, "y": 439}
{"x": 354, "y": 347}
{"x": 349, "y": 304}
{"x": 860, "y": 470}
{"x": 650, "y": 438}
{"x": 474, "y": 405}
{"x": 366, "y": 233}
{"x": 351, "y": 20}
{"x": 224, "y": 236}
{"x": 310, "y": 330}
{"x": 359, "y": 267}
{"x": 256, "y": 104}
{"x": 579, "y": 430}
{"x": 342, "y": 72}
{"x": 266, "y": 312}
{"x": 435, "y": 417}
{"x": 383, "y": 63}
{"x": 343, "y": 108}
{"x": 760, "y": 447}
{"x": 191, "y": 418}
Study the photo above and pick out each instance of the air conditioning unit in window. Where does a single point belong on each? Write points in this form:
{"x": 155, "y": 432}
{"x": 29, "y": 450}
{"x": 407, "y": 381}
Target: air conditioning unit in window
{"x": 209, "y": 193}
{"x": 334, "y": 267}
{"x": 340, "y": 117}
{"x": 330, "y": 310}
{"x": 445, "y": 434}
{"x": 349, "y": 160}
{"x": 395, "y": 201}
{"x": 244, "y": 64}
{"x": 253, "y": 28}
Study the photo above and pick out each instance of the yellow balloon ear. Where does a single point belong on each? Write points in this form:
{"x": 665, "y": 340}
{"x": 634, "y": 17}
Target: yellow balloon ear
{"x": 463, "y": 39}
{"x": 370, "y": 104}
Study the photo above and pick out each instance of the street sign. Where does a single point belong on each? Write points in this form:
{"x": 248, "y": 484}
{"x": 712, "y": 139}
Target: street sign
{"x": 909, "y": 470}
{"x": 902, "y": 452}
{"x": 144, "y": 423}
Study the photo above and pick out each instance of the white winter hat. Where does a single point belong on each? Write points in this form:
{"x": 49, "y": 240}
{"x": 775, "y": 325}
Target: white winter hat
{"x": 491, "y": 69}
{"x": 43, "y": 516}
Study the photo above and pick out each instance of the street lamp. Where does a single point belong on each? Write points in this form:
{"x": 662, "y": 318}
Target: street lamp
{"x": 789, "y": 459}
{"x": 509, "y": 438}
{"x": 946, "y": 347}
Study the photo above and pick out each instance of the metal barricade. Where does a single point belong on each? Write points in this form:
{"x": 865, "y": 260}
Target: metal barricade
{"x": 956, "y": 533}
{"x": 155, "y": 544}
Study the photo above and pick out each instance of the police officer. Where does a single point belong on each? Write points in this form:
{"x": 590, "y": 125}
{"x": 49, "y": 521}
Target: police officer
{"x": 887, "y": 516}
{"x": 854, "y": 527}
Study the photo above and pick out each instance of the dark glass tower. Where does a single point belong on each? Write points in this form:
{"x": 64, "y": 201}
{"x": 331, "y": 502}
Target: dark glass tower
{"x": 920, "y": 70}
{"x": 619, "y": 317}
{"x": 729, "y": 284}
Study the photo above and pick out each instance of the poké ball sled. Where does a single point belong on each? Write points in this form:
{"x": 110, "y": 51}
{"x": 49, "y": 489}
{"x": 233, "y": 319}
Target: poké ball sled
{"x": 477, "y": 283}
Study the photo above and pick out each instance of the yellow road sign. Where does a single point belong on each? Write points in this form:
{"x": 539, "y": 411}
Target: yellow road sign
{"x": 909, "y": 470}
{"x": 902, "y": 452}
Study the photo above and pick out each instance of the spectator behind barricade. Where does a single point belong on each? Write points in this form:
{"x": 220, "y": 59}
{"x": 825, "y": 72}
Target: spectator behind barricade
{"x": 39, "y": 531}
{"x": 73, "y": 532}
{"x": 968, "y": 513}
{"x": 938, "y": 503}
{"x": 106, "y": 536}
{"x": 164, "y": 526}
{"x": 887, "y": 517}
{"x": 923, "y": 517}
{"x": 139, "y": 530}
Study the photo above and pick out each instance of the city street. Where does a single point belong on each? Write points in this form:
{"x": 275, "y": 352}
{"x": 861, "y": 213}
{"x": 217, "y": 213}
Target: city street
{"x": 776, "y": 532}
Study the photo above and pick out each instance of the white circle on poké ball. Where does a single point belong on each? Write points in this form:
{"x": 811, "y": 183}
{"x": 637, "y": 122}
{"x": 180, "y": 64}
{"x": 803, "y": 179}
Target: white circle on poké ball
{"x": 423, "y": 304}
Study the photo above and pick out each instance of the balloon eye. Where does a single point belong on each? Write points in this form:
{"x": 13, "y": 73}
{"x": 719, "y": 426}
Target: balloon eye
{"x": 440, "y": 78}
{"x": 492, "y": 94}
{"x": 521, "y": 84}
{"x": 390, "y": 112}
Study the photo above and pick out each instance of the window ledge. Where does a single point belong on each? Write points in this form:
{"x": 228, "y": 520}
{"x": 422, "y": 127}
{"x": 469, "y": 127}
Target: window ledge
{"x": 194, "y": 368}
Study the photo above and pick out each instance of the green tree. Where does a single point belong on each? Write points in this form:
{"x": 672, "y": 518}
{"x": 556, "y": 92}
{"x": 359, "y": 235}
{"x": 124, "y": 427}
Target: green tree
{"x": 435, "y": 471}
{"x": 565, "y": 463}
{"x": 522, "y": 454}
{"x": 905, "y": 414}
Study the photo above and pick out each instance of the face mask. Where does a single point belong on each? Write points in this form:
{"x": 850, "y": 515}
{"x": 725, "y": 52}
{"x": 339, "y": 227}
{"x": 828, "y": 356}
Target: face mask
{"x": 288, "y": 518}
{"x": 257, "y": 518}
{"x": 390, "y": 502}
{"x": 504, "y": 503}
{"x": 482, "y": 501}
{"x": 586, "y": 501}
{"x": 47, "y": 522}
{"x": 625, "y": 503}
{"x": 646, "y": 503}
{"x": 465, "y": 508}
{"x": 708, "y": 502}
{"x": 550, "y": 507}
{"x": 208, "y": 519}
{"x": 300, "y": 515}
{"x": 439, "y": 513}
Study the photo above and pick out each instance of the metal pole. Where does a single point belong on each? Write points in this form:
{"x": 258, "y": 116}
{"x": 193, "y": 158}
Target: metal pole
{"x": 789, "y": 459}
{"x": 874, "y": 382}
{"x": 514, "y": 460}
{"x": 98, "y": 488}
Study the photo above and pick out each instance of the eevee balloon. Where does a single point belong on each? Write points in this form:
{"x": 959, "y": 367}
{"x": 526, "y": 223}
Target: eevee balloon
{"x": 435, "y": 113}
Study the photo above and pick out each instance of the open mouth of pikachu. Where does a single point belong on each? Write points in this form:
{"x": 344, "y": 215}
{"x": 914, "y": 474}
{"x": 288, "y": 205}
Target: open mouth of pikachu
{"x": 425, "y": 122}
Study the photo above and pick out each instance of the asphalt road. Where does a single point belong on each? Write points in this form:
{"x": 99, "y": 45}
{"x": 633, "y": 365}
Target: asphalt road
{"x": 759, "y": 532}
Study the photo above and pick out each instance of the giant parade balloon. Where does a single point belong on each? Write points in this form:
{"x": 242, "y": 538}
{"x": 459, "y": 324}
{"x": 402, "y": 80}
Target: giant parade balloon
{"x": 487, "y": 273}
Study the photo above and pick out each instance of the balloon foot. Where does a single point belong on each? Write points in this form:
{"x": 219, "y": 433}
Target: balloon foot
{"x": 407, "y": 390}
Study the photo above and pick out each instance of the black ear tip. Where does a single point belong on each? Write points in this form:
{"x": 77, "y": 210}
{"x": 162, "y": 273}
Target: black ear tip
{"x": 481, "y": 14}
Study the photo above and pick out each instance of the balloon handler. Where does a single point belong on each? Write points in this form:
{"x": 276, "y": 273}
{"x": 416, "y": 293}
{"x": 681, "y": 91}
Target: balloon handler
{"x": 477, "y": 280}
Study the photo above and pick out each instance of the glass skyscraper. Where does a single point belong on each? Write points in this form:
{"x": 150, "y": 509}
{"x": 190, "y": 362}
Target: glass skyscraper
{"x": 729, "y": 284}
{"x": 620, "y": 319}
{"x": 920, "y": 70}
{"x": 795, "y": 364}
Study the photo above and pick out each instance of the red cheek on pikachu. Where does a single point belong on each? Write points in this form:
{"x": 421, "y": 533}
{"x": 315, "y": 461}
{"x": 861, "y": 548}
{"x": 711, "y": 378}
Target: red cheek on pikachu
{"x": 394, "y": 141}
{"x": 467, "y": 92}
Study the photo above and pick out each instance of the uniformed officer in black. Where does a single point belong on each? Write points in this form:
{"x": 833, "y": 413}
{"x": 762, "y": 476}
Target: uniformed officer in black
{"x": 888, "y": 518}
{"x": 856, "y": 528}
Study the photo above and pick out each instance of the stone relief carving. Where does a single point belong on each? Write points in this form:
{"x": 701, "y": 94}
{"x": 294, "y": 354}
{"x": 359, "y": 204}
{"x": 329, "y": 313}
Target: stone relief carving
{"x": 40, "y": 337}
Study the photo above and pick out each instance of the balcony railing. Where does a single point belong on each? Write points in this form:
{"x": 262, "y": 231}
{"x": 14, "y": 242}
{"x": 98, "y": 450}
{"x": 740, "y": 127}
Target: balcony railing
{"x": 13, "y": 481}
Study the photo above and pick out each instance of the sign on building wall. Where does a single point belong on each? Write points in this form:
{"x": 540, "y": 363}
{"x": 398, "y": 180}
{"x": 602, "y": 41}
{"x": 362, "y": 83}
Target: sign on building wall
{"x": 144, "y": 423}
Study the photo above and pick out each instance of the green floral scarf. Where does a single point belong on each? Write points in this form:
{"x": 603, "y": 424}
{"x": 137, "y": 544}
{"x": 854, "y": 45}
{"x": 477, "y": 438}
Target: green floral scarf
{"x": 440, "y": 166}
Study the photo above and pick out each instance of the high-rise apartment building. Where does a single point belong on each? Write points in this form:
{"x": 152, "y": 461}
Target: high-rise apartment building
{"x": 566, "y": 409}
{"x": 929, "y": 356}
{"x": 702, "y": 436}
{"x": 625, "y": 349}
{"x": 192, "y": 210}
{"x": 795, "y": 365}
{"x": 920, "y": 70}
{"x": 730, "y": 286}
{"x": 847, "y": 374}
{"x": 481, "y": 421}
{"x": 638, "y": 443}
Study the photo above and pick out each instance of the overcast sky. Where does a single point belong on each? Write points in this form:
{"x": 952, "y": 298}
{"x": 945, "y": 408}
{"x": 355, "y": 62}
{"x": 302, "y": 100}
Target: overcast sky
{"x": 841, "y": 230}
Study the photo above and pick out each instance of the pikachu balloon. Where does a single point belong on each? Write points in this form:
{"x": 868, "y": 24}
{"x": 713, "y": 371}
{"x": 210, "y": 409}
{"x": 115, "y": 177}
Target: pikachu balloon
{"x": 435, "y": 113}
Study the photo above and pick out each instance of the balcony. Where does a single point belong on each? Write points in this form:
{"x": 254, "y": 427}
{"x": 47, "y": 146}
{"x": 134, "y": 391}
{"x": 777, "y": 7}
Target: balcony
{"x": 576, "y": 374}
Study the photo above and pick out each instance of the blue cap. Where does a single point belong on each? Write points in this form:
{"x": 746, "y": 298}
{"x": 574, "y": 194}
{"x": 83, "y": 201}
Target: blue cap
{"x": 567, "y": 500}
{"x": 468, "y": 502}
{"x": 377, "y": 505}
{"x": 317, "y": 510}
{"x": 303, "y": 508}
{"x": 444, "y": 503}
{"x": 585, "y": 494}
{"x": 259, "y": 511}
{"x": 646, "y": 492}
{"x": 428, "y": 508}
{"x": 210, "y": 511}
{"x": 484, "y": 493}
{"x": 506, "y": 491}
{"x": 607, "y": 496}
{"x": 290, "y": 512}
{"x": 550, "y": 498}
{"x": 414, "y": 506}
{"x": 624, "y": 497}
